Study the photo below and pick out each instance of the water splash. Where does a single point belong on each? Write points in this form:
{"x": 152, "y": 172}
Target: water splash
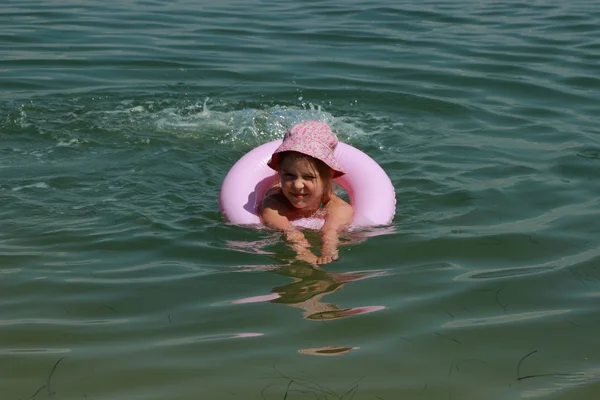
{"x": 104, "y": 120}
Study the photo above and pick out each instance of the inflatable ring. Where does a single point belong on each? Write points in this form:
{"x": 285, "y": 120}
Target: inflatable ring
{"x": 370, "y": 190}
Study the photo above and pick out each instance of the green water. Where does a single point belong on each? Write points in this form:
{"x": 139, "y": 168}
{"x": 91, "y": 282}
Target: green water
{"x": 120, "y": 279}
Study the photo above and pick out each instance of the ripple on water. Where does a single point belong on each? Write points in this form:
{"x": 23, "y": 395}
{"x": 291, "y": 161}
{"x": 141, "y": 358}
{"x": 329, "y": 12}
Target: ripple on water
{"x": 484, "y": 116}
{"x": 501, "y": 319}
{"x": 207, "y": 338}
{"x": 590, "y": 153}
{"x": 33, "y": 351}
{"x": 62, "y": 322}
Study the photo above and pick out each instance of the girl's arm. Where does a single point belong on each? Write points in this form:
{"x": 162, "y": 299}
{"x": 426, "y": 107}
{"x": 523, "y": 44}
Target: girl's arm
{"x": 339, "y": 216}
{"x": 272, "y": 215}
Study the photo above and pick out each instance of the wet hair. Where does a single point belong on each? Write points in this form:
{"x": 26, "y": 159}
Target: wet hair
{"x": 324, "y": 171}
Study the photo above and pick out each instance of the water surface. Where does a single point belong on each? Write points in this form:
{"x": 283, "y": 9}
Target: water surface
{"x": 121, "y": 280}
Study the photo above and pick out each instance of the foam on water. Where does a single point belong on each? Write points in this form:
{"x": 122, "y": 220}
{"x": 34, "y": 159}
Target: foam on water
{"x": 248, "y": 125}
{"x": 140, "y": 119}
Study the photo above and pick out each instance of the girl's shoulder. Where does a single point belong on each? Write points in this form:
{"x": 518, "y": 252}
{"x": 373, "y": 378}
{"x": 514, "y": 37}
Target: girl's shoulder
{"x": 335, "y": 202}
{"x": 339, "y": 214}
{"x": 273, "y": 210}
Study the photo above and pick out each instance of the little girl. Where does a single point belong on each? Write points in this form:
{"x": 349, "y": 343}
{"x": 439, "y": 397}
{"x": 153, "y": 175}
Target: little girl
{"x": 307, "y": 166}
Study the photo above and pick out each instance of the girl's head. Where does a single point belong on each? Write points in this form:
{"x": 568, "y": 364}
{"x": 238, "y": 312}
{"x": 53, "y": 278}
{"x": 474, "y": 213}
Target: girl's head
{"x": 306, "y": 164}
{"x": 305, "y": 181}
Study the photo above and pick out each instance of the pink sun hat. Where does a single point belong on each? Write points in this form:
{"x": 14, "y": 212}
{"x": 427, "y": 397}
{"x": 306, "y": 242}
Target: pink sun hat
{"x": 313, "y": 138}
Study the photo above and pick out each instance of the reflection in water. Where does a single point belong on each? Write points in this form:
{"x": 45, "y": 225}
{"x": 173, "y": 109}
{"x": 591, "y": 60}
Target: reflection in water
{"x": 311, "y": 284}
{"x": 328, "y": 351}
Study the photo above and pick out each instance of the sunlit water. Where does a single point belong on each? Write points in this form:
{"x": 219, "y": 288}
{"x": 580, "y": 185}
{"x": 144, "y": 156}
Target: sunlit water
{"x": 121, "y": 280}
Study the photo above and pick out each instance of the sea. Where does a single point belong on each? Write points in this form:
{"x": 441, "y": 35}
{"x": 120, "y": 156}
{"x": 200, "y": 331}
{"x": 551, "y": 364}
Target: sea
{"x": 120, "y": 279}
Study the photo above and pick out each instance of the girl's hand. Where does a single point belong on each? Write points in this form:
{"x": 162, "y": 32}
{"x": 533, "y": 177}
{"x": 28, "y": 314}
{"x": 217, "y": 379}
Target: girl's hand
{"x": 308, "y": 257}
{"x": 300, "y": 245}
{"x": 328, "y": 254}
{"x": 329, "y": 250}
{"x": 339, "y": 215}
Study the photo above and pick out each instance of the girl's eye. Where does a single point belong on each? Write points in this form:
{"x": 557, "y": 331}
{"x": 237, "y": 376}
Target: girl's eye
{"x": 308, "y": 177}
{"x": 289, "y": 176}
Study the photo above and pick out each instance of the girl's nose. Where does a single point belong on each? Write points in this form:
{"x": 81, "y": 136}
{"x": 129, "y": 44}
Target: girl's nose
{"x": 298, "y": 183}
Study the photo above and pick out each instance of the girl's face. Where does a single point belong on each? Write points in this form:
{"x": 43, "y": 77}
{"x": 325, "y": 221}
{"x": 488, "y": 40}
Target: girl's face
{"x": 301, "y": 182}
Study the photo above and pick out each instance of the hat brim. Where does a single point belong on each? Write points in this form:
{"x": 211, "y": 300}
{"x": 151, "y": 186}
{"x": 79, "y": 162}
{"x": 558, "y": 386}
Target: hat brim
{"x": 332, "y": 163}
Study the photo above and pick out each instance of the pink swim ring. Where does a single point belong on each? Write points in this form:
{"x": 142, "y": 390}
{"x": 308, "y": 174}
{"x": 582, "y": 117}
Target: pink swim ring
{"x": 369, "y": 188}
